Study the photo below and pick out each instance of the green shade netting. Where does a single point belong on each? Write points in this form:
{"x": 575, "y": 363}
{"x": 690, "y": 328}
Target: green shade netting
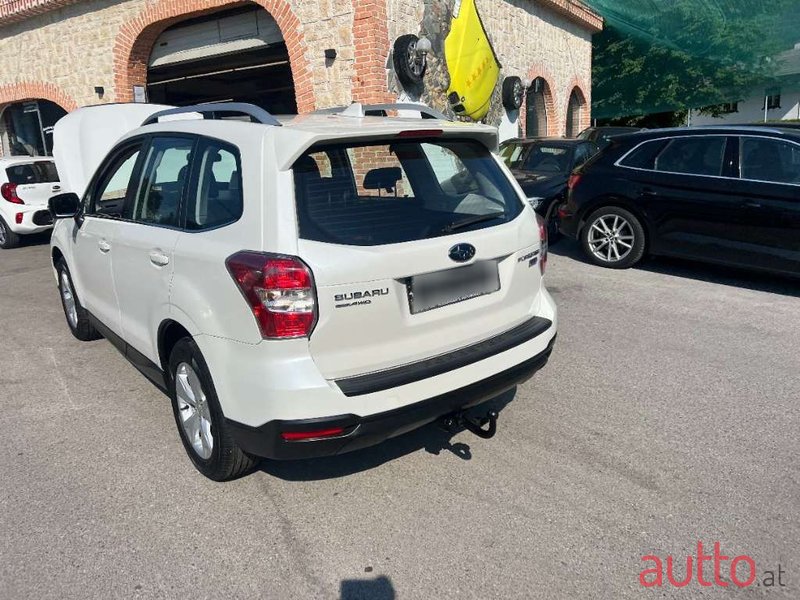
{"x": 662, "y": 55}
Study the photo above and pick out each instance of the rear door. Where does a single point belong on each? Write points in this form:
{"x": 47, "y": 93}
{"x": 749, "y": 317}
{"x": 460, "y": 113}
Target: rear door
{"x": 146, "y": 239}
{"x": 418, "y": 248}
{"x": 769, "y": 195}
{"x": 687, "y": 193}
{"x": 36, "y": 181}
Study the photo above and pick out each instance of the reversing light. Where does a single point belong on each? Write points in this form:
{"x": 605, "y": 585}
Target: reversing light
{"x": 279, "y": 290}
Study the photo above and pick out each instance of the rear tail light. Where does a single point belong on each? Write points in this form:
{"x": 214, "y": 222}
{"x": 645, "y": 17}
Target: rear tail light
{"x": 9, "y": 193}
{"x": 279, "y": 290}
{"x": 296, "y": 436}
{"x": 542, "y": 243}
{"x": 574, "y": 180}
{"x": 18, "y": 218}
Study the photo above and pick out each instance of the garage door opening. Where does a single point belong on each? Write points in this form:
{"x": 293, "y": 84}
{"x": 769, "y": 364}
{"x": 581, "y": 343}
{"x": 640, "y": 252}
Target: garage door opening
{"x": 237, "y": 55}
{"x": 26, "y": 128}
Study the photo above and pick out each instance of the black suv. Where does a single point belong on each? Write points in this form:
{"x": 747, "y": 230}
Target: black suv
{"x": 721, "y": 194}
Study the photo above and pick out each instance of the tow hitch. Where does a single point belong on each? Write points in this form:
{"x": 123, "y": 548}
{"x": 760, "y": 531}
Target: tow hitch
{"x": 475, "y": 425}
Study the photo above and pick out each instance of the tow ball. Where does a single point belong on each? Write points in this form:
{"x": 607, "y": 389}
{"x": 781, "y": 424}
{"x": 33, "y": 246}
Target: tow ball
{"x": 475, "y": 425}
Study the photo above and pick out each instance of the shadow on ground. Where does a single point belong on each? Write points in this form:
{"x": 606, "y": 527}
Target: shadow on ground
{"x": 431, "y": 438}
{"x": 700, "y": 271}
{"x": 36, "y": 239}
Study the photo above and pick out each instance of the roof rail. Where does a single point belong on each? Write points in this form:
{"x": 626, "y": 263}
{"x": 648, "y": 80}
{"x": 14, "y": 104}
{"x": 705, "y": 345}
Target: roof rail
{"x": 259, "y": 115}
{"x": 356, "y": 109}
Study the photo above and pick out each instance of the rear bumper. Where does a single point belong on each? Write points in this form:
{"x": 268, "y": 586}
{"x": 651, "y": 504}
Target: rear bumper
{"x": 361, "y": 432}
{"x": 34, "y": 218}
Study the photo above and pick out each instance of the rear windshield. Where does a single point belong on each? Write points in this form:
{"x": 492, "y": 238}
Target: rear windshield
{"x": 35, "y": 172}
{"x": 385, "y": 193}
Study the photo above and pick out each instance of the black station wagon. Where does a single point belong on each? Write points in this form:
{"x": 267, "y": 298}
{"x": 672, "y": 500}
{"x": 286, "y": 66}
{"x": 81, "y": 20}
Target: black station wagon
{"x": 720, "y": 194}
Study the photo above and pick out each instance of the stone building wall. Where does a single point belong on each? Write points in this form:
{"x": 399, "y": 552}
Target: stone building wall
{"x": 61, "y": 50}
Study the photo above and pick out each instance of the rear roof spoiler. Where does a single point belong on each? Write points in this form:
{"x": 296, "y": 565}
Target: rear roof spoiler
{"x": 363, "y": 110}
{"x": 208, "y": 111}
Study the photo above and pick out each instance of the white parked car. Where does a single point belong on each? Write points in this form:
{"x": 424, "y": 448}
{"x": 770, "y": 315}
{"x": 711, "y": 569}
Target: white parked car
{"x": 306, "y": 286}
{"x": 26, "y": 183}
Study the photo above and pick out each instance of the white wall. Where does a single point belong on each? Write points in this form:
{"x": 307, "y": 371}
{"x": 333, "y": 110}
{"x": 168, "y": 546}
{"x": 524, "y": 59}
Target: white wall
{"x": 752, "y": 110}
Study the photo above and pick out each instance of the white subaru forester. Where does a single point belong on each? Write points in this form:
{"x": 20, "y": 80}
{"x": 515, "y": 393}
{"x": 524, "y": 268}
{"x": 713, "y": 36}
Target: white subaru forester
{"x": 306, "y": 286}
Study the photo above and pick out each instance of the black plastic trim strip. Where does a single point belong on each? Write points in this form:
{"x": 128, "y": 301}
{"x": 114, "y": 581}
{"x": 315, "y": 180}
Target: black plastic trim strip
{"x": 143, "y": 364}
{"x": 383, "y": 380}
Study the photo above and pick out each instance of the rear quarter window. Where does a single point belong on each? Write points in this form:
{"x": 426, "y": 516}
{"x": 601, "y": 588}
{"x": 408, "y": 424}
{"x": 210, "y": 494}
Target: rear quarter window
{"x": 644, "y": 156}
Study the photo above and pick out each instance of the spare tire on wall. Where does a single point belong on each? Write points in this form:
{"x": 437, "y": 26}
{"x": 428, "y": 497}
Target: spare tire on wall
{"x": 409, "y": 70}
{"x": 513, "y": 92}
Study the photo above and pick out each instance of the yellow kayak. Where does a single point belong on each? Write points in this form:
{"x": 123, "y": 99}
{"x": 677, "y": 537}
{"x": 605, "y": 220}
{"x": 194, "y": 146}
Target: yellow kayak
{"x": 471, "y": 62}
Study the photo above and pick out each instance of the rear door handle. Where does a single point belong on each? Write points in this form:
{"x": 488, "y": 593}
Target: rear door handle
{"x": 158, "y": 258}
{"x": 750, "y": 204}
{"x": 104, "y": 246}
{"x": 648, "y": 192}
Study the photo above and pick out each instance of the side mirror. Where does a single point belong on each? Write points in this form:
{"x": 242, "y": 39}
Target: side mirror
{"x": 64, "y": 206}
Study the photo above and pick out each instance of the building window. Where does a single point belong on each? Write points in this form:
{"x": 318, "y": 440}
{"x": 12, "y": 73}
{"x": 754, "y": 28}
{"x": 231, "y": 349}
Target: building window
{"x": 728, "y": 108}
{"x": 773, "y": 101}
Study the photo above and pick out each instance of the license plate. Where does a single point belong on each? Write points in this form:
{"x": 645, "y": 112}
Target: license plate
{"x": 432, "y": 290}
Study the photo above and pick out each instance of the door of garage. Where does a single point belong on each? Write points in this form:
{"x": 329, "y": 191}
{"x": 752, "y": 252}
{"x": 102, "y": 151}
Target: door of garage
{"x": 237, "y": 55}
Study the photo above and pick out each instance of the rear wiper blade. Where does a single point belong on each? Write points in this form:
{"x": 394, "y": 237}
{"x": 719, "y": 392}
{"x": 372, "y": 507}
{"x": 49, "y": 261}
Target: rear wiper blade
{"x": 472, "y": 221}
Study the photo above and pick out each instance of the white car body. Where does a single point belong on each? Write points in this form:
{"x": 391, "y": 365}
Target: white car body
{"x": 26, "y": 211}
{"x": 138, "y": 280}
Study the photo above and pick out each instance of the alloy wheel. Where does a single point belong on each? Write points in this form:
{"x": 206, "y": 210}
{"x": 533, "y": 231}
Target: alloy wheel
{"x": 70, "y": 306}
{"x": 611, "y": 238}
{"x": 194, "y": 411}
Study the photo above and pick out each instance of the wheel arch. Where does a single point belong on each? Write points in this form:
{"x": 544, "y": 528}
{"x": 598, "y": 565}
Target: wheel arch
{"x": 170, "y": 332}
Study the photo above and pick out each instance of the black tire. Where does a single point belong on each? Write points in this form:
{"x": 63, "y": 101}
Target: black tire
{"x": 81, "y": 327}
{"x": 8, "y": 239}
{"x": 403, "y": 52}
{"x": 513, "y": 92}
{"x": 633, "y": 233}
{"x": 226, "y": 460}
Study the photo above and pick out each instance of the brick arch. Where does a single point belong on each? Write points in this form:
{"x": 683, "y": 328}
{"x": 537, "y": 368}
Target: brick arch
{"x": 136, "y": 38}
{"x": 539, "y": 70}
{"x": 35, "y": 90}
{"x": 577, "y": 87}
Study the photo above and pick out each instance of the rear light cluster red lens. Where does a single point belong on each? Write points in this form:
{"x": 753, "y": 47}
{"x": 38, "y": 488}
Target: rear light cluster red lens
{"x": 9, "y": 193}
{"x": 542, "y": 243}
{"x": 573, "y": 180}
{"x": 279, "y": 290}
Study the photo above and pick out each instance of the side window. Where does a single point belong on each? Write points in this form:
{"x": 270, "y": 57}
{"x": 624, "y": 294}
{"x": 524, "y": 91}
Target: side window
{"x": 108, "y": 197}
{"x": 161, "y": 186}
{"x": 697, "y": 155}
{"x": 765, "y": 159}
{"x": 644, "y": 157}
{"x": 216, "y": 198}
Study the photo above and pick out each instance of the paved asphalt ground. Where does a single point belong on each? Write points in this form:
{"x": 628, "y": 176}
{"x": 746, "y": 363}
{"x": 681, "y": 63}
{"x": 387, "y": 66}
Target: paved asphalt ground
{"x": 668, "y": 414}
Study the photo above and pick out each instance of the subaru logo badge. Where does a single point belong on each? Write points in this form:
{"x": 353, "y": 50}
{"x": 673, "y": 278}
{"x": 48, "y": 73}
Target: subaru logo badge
{"x": 462, "y": 252}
